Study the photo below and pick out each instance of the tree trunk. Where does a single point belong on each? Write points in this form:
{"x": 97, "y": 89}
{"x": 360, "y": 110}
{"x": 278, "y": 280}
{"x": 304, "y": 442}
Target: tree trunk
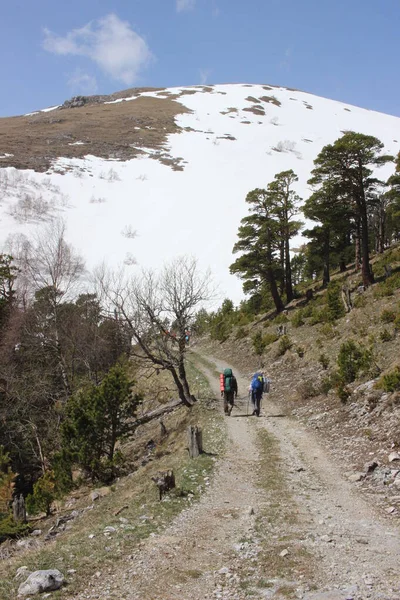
{"x": 195, "y": 441}
{"x": 288, "y": 271}
{"x": 326, "y": 274}
{"x": 18, "y": 508}
{"x": 275, "y": 292}
{"x": 357, "y": 261}
{"x": 366, "y": 271}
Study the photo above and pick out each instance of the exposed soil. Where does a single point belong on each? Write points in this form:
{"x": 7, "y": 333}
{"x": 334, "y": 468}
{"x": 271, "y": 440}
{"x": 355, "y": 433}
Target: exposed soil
{"x": 278, "y": 521}
{"x": 118, "y": 131}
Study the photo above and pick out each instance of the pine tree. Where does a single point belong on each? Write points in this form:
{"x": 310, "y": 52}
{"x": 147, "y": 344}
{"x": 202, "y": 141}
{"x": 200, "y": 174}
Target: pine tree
{"x": 96, "y": 418}
{"x": 286, "y": 202}
{"x": 347, "y": 165}
{"x": 259, "y": 244}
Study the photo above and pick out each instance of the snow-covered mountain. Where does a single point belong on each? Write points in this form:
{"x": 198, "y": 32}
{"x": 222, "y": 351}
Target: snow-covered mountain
{"x": 175, "y": 168}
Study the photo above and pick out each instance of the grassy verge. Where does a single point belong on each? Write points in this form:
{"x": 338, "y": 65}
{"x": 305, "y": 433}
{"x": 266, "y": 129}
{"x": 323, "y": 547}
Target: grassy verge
{"x": 282, "y": 561}
{"x": 86, "y": 548}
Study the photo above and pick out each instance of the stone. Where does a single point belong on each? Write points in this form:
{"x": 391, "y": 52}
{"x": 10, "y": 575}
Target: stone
{"x": 109, "y": 529}
{"x": 284, "y": 553}
{"x": 393, "y": 456}
{"x": 223, "y": 571}
{"x": 250, "y": 511}
{"x": 41, "y": 581}
{"x": 22, "y": 573}
{"x": 94, "y": 496}
{"x": 36, "y": 532}
{"x": 370, "y": 467}
{"x": 356, "y": 477}
{"x": 390, "y": 509}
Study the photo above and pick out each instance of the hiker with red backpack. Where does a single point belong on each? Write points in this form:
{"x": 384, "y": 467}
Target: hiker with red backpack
{"x": 259, "y": 384}
{"x": 229, "y": 390}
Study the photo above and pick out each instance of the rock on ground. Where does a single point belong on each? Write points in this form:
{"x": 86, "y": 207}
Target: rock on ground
{"x": 41, "y": 581}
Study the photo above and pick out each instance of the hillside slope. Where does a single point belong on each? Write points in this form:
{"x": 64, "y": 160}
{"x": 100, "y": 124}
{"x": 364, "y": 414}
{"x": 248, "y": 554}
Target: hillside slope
{"x": 142, "y": 176}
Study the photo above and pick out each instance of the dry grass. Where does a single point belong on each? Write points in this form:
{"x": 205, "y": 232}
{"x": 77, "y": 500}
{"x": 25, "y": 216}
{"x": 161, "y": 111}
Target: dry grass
{"x": 126, "y": 127}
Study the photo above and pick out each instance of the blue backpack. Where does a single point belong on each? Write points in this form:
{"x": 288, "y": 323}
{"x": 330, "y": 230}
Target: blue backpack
{"x": 257, "y": 383}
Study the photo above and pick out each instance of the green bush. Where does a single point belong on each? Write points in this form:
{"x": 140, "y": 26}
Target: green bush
{"x": 307, "y": 311}
{"x": 297, "y": 319}
{"x": 258, "y": 343}
{"x": 396, "y": 322}
{"x": 9, "y": 529}
{"x": 360, "y": 301}
{"x": 334, "y": 300}
{"x": 284, "y": 345}
{"x": 320, "y": 315}
{"x": 280, "y": 319}
{"x": 241, "y": 333}
{"x": 43, "y": 495}
{"x": 270, "y": 338}
{"x": 385, "y": 335}
{"x": 300, "y": 351}
{"x": 329, "y": 382}
{"x": 352, "y": 359}
{"x": 328, "y": 331}
{"x": 388, "y": 316}
{"x": 391, "y": 381}
{"x": 387, "y": 287}
{"x": 324, "y": 361}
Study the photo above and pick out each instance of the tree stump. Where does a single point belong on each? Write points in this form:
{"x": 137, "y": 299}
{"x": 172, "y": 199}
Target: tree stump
{"x": 165, "y": 481}
{"x": 19, "y": 510}
{"x": 195, "y": 441}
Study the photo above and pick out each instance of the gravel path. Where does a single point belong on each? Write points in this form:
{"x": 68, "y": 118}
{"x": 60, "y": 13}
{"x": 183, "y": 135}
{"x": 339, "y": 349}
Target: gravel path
{"x": 213, "y": 549}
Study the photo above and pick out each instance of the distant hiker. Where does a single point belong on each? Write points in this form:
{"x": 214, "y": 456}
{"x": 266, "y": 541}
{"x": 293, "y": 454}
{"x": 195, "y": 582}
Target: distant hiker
{"x": 259, "y": 384}
{"x": 229, "y": 389}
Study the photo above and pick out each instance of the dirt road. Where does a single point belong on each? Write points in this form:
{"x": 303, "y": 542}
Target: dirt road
{"x": 278, "y": 521}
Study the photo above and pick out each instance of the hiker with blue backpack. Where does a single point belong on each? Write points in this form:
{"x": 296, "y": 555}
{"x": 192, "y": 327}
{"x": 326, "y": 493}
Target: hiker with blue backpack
{"x": 259, "y": 384}
{"x": 229, "y": 390}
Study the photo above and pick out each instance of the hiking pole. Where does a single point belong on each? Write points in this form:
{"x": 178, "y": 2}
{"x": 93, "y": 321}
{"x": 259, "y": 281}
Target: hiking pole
{"x": 248, "y": 401}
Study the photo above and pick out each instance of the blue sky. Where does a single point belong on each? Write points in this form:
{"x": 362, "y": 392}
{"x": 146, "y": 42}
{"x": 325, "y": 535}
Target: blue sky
{"x": 346, "y": 50}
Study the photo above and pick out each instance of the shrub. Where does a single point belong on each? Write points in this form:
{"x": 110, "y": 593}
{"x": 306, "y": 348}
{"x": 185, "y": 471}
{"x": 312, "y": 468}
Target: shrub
{"x": 307, "y": 389}
{"x": 329, "y": 382}
{"x": 284, "y": 345}
{"x": 240, "y": 333}
{"x": 320, "y": 315}
{"x": 43, "y": 495}
{"x": 270, "y": 338}
{"x": 300, "y": 351}
{"x": 328, "y": 331}
{"x": 258, "y": 343}
{"x": 396, "y": 322}
{"x": 334, "y": 300}
{"x": 324, "y": 361}
{"x": 360, "y": 301}
{"x": 297, "y": 319}
{"x": 307, "y": 311}
{"x": 388, "y": 287}
{"x": 352, "y": 359}
{"x": 391, "y": 381}
{"x": 388, "y": 316}
{"x": 385, "y": 335}
{"x": 10, "y": 529}
{"x": 280, "y": 319}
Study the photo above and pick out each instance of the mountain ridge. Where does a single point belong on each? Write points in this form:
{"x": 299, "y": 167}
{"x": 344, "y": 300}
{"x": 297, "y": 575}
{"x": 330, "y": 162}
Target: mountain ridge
{"x": 172, "y": 164}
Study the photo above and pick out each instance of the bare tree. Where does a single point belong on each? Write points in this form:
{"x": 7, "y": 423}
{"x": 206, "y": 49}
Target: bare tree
{"x": 48, "y": 262}
{"x": 159, "y": 310}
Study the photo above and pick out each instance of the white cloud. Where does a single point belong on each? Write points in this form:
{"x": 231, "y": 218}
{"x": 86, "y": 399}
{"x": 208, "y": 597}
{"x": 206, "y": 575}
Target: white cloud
{"x": 182, "y": 5}
{"x": 82, "y": 83}
{"x": 110, "y": 42}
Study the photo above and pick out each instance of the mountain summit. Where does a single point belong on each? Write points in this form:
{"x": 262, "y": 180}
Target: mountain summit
{"x": 143, "y": 175}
